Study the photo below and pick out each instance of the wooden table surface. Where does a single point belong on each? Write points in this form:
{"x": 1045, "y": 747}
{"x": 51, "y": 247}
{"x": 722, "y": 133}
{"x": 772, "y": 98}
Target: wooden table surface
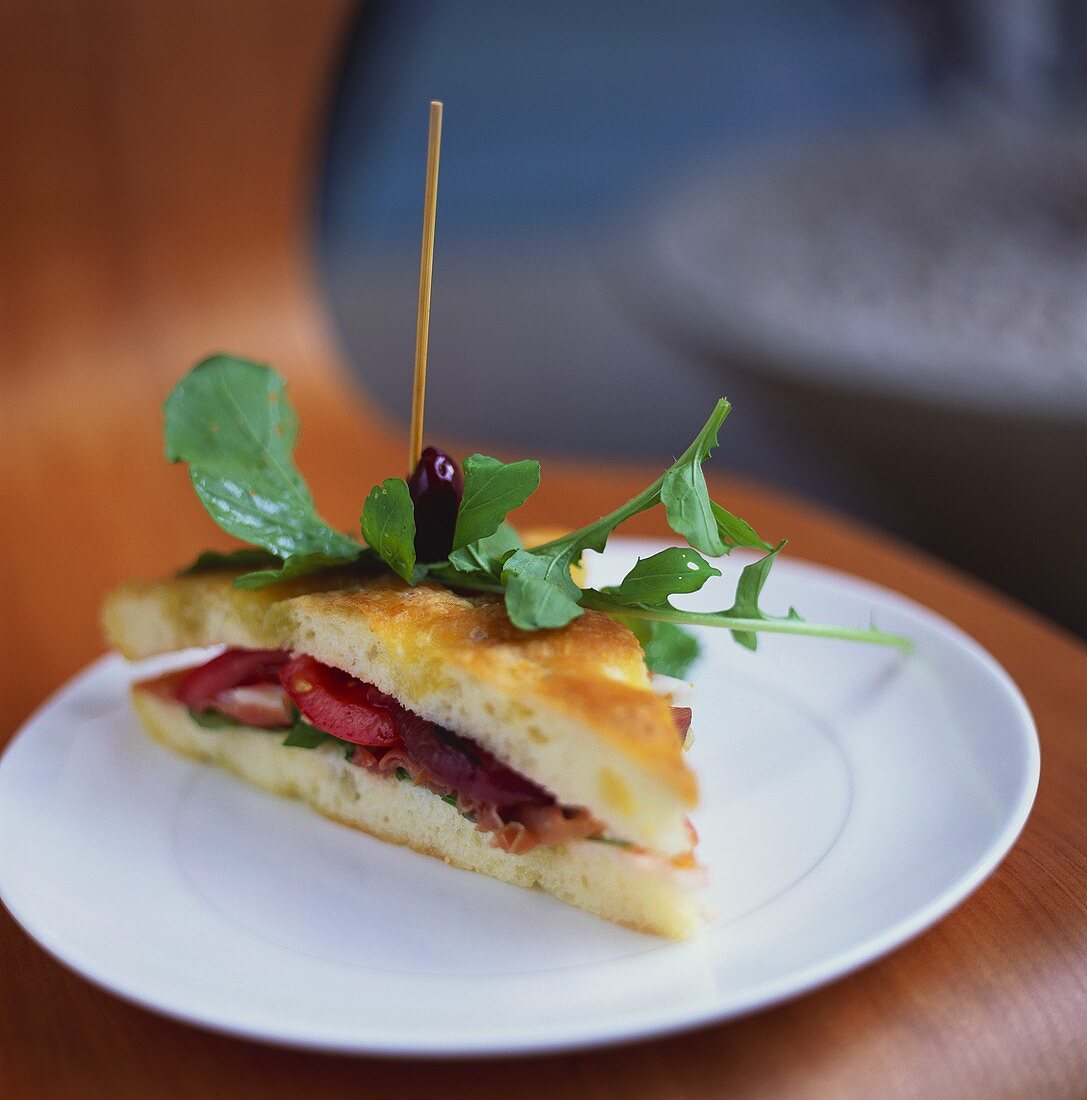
{"x": 155, "y": 167}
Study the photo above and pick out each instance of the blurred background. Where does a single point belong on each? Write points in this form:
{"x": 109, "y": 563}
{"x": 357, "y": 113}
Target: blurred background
{"x": 865, "y": 222}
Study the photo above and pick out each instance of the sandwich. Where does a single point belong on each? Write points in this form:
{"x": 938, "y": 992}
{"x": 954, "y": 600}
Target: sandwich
{"x": 443, "y": 683}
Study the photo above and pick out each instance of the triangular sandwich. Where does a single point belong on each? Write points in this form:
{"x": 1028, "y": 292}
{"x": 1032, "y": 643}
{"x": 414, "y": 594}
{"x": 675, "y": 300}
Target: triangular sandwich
{"x": 543, "y": 759}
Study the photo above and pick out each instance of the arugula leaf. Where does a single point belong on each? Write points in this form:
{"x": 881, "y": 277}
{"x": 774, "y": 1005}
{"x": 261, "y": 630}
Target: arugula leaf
{"x": 230, "y": 420}
{"x": 211, "y": 719}
{"x": 302, "y": 735}
{"x": 594, "y": 536}
{"x": 748, "y": 590}
{"x": 654, "y": 579}
{"x": 211, "y": 560}
{"x": 763, "y": 624}
{"x": 669, "y": 649}
{"x": 388, "y": 525}
{"x": 707, "y": 526}
{"x": 486, "y": 555}
{"x": 685, "y": 495}
{"x": 540, "y": 593}
{"x": 492, "y": 490}
{"x": 745, "y": 618}
{"x": 305, "y": 736}
{"x": 735, "y": 531}
{"x": 542, "y": 596}
{"x": 297, "y": 565}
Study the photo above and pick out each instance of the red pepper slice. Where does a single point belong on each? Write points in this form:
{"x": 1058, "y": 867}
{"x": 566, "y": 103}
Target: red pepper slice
{"x": 339, "y": 704}
{"x": 233, "y": 668}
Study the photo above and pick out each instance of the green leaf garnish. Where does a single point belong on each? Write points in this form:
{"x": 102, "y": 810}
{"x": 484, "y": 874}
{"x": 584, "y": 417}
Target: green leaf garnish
{"x": 668, "y": 648}
{"x": 492, "y": 490}
{"x": 748, "y": 590}
{"x": 211, "y": 560}
{"x": 212, "y": 719}
{"x": 745, "y": 618}
{"x": 594, "y": 536}
{"x": 297, "y": 565}
{"x": 388, "y": 525}
{"x": 684, "y": 493}
{"x": 230, "y": 420}
{"x": 488, "y": 554}
{"x": 539, "y": 591}
{"x": 304, "y": 736}
{"x": 735, "y": 531}
{"x": 654, "y": 579}
{"x": 545, "y": 599}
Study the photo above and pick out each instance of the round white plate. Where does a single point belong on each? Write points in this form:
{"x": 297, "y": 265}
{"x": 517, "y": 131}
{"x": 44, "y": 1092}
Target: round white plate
{"x": 850, "y": 797}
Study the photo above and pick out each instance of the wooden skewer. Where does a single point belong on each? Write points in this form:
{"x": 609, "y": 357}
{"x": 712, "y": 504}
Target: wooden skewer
{"x": 426, "y": 271}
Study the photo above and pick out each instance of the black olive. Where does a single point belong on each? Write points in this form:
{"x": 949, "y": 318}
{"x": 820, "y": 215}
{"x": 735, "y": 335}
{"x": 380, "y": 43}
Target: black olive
{"x": 436, "y": 485}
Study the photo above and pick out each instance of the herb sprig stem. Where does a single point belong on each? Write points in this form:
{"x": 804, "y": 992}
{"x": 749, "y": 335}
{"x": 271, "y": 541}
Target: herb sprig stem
{"x": 803, "y": 627}
{"x": 646, "y": 499}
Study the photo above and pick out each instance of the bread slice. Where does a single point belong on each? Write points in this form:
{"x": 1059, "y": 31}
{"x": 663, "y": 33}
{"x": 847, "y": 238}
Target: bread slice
{"x": 639, "y": 890}
{"x": 572, "y": 709}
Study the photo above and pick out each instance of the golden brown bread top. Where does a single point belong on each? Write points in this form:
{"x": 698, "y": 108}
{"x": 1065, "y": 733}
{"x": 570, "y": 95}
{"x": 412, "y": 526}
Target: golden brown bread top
{"x": 593, "y": 670}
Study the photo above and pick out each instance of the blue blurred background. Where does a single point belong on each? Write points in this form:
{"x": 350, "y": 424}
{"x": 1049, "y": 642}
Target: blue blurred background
{"x": 864, "y": 222}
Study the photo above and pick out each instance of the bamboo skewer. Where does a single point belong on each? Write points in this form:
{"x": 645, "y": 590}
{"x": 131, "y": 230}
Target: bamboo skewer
{"x": 426, "y": 271}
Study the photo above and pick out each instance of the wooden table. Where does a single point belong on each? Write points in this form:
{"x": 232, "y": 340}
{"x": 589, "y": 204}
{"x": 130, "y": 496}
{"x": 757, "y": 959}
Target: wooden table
{"x": 153, "y": 173}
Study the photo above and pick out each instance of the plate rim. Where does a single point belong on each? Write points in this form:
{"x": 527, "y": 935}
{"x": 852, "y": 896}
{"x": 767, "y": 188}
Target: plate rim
{"x": 617, "y": 1030}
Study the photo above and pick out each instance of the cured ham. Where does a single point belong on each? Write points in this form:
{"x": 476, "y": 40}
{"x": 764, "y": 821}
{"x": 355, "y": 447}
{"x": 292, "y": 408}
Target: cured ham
{"x": 261, "y": 687}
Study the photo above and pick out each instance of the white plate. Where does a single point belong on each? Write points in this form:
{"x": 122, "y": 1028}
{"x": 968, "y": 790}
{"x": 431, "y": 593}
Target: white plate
{"x": 851, "y": 797}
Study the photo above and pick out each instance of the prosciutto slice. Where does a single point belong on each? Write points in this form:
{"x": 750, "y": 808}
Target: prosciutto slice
{"x": 516, "y": 829}
{"x": 258, "y": 687}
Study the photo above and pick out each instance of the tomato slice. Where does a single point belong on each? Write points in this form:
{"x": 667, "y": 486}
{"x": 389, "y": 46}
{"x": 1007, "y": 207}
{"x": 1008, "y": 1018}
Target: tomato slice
{"x": 233, "y": 668}
{"x": 339, "y": 704}
{"x": 248, "y": 685}
{"x": 465, "y": 766}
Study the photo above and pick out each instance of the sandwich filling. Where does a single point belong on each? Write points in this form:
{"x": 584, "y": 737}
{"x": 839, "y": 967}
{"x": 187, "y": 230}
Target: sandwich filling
{"x": 317, "y": 703}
